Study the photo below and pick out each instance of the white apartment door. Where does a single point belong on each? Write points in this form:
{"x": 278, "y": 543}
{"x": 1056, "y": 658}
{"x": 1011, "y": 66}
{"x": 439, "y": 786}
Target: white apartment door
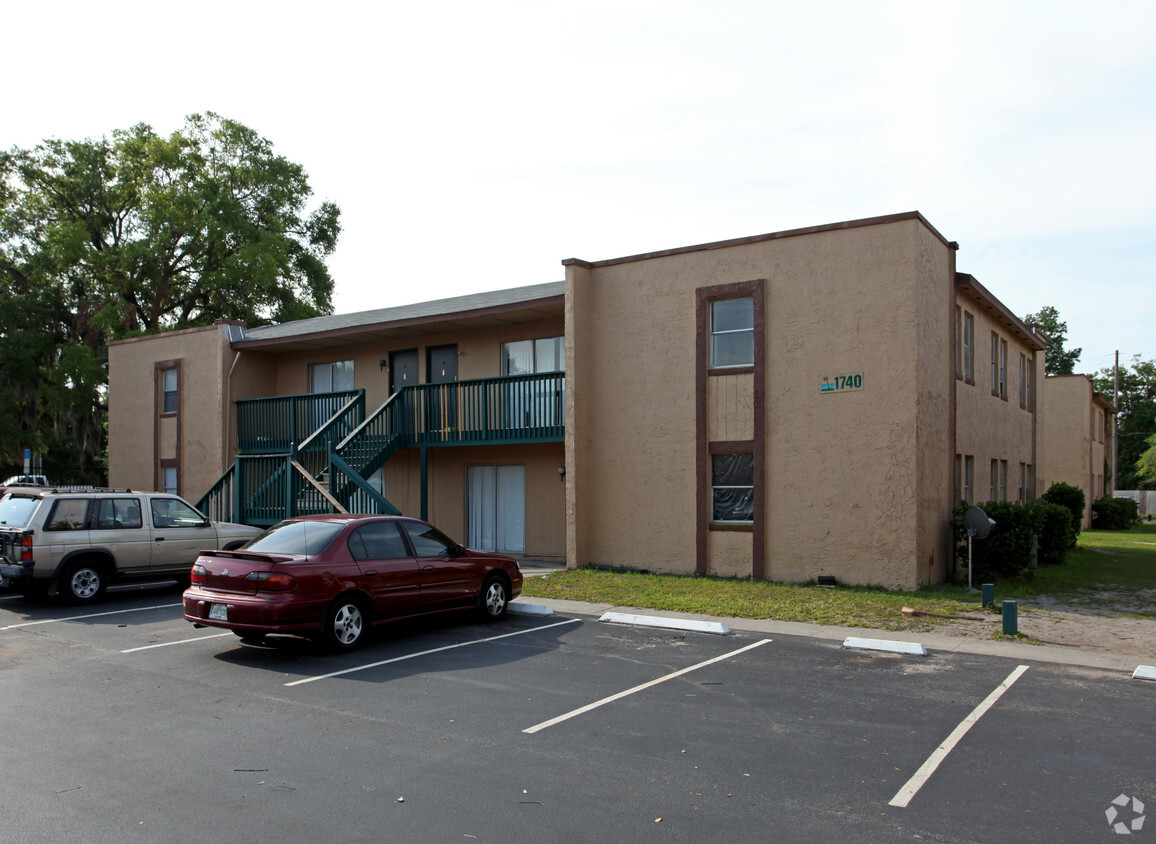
{"x": 496, "y": 502}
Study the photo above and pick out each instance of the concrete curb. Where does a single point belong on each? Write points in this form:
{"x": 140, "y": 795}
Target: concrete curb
{"x": 519, "y": 608}
{"x": 1144, "y": 672}
{"x": 910, "y": 648}
{"x": 695, "y": 625}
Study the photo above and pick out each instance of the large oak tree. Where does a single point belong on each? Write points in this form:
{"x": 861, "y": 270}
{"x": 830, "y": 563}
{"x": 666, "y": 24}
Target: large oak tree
{"x": 139, "y": 233}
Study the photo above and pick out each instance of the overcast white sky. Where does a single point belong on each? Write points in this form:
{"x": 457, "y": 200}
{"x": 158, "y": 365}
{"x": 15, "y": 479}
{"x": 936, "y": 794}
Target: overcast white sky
{"x": 472, "y": 146}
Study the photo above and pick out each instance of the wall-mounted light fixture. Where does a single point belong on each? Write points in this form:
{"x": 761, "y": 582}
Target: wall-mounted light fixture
{"x": 562, "y": 473}
{"x": 381, "y": 364}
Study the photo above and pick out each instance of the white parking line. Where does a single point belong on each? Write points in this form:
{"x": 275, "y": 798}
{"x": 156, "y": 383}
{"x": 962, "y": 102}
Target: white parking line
{"x": 912, "y": 786}
{"x": 431, "y": 651}
{"x": 575, "y": 712}
{"x": 90, "y": 615}
{"x": 181, "y": 642}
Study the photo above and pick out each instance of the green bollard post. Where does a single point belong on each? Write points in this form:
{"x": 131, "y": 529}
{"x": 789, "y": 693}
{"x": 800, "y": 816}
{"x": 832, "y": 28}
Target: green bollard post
{"x": 988, "y": 590}
{"x": 1010, "y": 625}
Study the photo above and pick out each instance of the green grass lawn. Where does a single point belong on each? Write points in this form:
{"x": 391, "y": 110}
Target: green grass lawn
{"x": 1108, "y": 571}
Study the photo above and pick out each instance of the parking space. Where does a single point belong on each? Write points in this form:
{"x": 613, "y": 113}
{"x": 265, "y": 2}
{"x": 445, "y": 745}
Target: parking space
{"x": 549, "y": 728}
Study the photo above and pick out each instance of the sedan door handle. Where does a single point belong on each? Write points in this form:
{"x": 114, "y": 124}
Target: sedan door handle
{"x": 371, "y": 573}
{"x": 429, "y": 568}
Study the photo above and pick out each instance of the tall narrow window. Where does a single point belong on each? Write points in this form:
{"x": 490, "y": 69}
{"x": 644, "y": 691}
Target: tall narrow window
{"x": 170, "y": 384}
{"x": 171, "y": 484}
{"x": 1003, "y": 394}
{"x": 968, "y": 347}
{"x": 1023, "y": 496}
{"x": 1023, "y": 381}
{"x": 1003, "y": 480}
{"x": 732, "y": 332}
{"x": 968, "y": 478}
{"x": 993, "y": 489}
{"x": 958, "y": 341}
{"x": 994, "y": 364}
{"x": 733, "y": 487}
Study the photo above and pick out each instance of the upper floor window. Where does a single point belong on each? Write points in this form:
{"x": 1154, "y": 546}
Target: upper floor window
{"x": 526, "y": 357}
{"x": 732, "y": 332}
{"x": 333, "y": 377}
{"x": 170, "y": 387}
{"x": 968, "y": 347}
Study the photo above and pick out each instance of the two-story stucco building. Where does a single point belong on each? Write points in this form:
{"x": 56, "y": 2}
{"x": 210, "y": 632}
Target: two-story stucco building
{"x": 802, "y": 403}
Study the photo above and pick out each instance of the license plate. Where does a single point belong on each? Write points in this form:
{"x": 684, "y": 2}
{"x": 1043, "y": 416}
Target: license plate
{"x": 219, "y": 611}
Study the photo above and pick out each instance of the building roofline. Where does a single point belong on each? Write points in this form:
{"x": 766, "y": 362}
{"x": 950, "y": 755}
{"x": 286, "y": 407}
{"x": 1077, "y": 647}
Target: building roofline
{"x": 176, "y": 332}
{"x": 968, "y": 283}
{"x": 759, "y": 238}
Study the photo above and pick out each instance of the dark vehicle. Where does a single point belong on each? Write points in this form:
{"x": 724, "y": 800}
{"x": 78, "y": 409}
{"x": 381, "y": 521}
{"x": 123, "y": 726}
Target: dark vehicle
{"x": 332, "y": 577}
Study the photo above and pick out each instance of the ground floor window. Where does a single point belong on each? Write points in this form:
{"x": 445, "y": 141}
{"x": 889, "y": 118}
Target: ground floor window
{"x": 733, "y": 487}
{"x": 496, "y": 508}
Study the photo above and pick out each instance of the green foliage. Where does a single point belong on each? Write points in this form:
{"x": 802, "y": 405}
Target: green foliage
{"x": 1071, "y": 498}
{"x": 1115, "y": 513}
{"x": 1057, "y": 361}
{"x": 1006, "y": 553}
{"x": 1135, "y": 421}
{"x": 1055, "y": 536}
{"x": 139, "y": 233}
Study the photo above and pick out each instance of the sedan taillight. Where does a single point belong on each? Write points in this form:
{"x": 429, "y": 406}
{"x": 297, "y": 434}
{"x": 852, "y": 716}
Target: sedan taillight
{"x": 199, "y": 575}
{"x": 271, "y": 581}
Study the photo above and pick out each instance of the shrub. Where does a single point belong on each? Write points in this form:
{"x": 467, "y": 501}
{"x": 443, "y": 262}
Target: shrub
{"x": 1006, "y": 554}
{"x": 1071, "y": 497}
{"x": 1114, "y": 513}
{"x": 1055, "y": 532}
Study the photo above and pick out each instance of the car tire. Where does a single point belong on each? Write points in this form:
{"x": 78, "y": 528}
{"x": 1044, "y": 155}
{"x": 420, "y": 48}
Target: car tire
{"x": 494, "y": 598}
{"x": 82, "y": 582}
{"x": 345, "y": 624}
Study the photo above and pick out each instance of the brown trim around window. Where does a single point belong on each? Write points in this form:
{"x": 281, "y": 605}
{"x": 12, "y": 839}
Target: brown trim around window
{"x": 757, "y": 446}
{"x": 158, "y": 413}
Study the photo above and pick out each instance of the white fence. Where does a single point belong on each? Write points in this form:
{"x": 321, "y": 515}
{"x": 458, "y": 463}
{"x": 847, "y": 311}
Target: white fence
{"x": 1144, "y": 498}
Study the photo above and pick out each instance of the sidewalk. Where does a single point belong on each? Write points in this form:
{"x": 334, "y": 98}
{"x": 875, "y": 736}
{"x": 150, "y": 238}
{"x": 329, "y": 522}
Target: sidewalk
{"x": 931, "y": 640}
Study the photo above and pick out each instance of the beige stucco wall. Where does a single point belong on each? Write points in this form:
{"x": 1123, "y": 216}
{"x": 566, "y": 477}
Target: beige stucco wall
{"x": 850, "y": 490}
{"x": 989, "y": 427}
{"x": 1072, "y": 441}
{"x": 138, "y": 439}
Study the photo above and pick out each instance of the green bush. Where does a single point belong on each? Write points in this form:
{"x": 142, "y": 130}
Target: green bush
{"x": 1071, "y": 497}
{"x": 1006, "y": 553}
{"x": 1114, "y": 513}
{"x": 1055, "y": 532}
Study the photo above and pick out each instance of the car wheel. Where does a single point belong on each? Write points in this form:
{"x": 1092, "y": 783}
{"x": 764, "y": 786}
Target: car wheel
{"x": 345, "y": 624}
{"x": 82, "y": 583}
{"x": 494, "y": 598}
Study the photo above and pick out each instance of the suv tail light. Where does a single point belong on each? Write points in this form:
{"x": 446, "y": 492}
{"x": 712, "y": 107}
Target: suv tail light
{"x": 271, "y": 581}
{"x": 198, "y": 575}
{"x": 25, "y": 548}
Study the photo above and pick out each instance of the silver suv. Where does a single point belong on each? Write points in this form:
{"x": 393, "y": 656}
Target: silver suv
{"x": 72, "y": 544}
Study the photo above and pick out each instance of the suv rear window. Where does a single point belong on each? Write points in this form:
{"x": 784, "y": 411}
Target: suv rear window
{"x": 17, "y": 510}
{"x": 68, "y": 514}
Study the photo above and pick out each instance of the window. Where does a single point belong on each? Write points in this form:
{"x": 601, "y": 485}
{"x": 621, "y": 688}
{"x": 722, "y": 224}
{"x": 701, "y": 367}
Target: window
{"x": 993, "y": 490}
{"x": 1023, "y": 381}
{"x": 968, "y": 478}
{"x": 333, "y": 377}
{"x": 732, "y": 332}
{"x": 524, "y": 357}
{"x": 68, "y": 514}
{"x": 174, "y": 513}
{"x": 117, "y": 513}
{"x": 1003, "y": 369}
{"x": 958, "y": 346}
{"x": 968, "y": 348}
{"x": 170, "y": 484}
{"x": 957, "y": 480}
{"x": 733, "y": 487}
{"x": 1028, "y": 384}
{"x": 170, "y": 386}
{"x": 428, "y": 541}
{"x": 1023, "y": 496}
{"x": 1003, "y": 480}
{"x": 377, "y": 541}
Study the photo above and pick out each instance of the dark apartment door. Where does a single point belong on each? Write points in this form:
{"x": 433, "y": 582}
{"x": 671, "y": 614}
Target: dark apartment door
{"x": 402, "y": 370}
{"x": 442, "y": 408}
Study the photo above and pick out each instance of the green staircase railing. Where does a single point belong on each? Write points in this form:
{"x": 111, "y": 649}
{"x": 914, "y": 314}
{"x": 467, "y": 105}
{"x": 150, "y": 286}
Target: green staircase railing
{"x": 268, "y": 482}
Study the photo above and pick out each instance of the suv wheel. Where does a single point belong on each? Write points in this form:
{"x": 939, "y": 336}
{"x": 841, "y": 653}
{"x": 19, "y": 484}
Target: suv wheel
{"x": 82, "y": 582}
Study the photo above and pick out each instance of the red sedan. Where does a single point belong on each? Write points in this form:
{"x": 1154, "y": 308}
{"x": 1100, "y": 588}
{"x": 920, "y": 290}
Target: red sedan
{"x": 332, "y": 577}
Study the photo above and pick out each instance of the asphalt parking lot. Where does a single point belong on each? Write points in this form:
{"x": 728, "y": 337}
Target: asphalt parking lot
{"x": 123, "y": 722}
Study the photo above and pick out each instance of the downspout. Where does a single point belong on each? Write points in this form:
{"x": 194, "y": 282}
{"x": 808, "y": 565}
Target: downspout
{"x": 228, "y": 426}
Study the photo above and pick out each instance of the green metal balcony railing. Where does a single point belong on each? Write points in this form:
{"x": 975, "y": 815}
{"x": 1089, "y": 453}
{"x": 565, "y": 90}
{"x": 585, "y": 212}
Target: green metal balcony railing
{"x": 276, "y": 425}
{"x": 268, "y": 482}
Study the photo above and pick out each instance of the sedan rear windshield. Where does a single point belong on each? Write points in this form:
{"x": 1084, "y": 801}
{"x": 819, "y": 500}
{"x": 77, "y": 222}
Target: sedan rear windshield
{"x": 296, "y": 538}
{"x": 16, "y": 510}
